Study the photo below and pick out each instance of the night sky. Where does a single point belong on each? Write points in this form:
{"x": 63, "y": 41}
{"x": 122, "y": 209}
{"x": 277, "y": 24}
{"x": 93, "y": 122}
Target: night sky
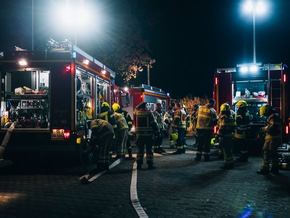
{"x": 189, "y": 39}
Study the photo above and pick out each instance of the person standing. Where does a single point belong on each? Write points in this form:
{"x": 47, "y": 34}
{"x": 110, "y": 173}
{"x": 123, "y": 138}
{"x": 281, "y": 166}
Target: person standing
{"x": 102, "y": 136}
{"x": 206, "y": 119}
{"x": 117, "y": 108}
{"x": 243, "y": 126}
{"x": 272, "y": 132}
{"x": 193, "y": 122}
{"x": 179, "y": 123}
{"x": 158, "y": 114}
{"x": 226, "y": 128}
{"x": 168, "y": 118}
{"x": 121, "y": 134}
{"x": 146, "y": 130}
{"x": 107, "y": 114}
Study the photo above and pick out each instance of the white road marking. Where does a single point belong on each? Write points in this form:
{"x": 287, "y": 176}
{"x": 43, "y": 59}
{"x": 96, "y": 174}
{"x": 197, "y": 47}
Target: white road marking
{"x": 133, "y": 194}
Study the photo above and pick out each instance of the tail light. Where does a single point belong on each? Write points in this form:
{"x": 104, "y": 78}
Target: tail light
{"x": 60, "y": 134}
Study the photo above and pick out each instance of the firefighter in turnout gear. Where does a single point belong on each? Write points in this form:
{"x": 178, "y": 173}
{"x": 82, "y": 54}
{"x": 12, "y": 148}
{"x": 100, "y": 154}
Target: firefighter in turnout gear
{"x": 107, "y": 114}
{"x": 226, "y": 128}
{"x": 117, "y": 108}
{"x": 168, "y": 119}
{"x": 187, "y": 120}
{"x": 272, "y": 132}
{"x": 243, "y": 126}
{"x": 179, "y": 123}
{"x": 158, "y": 114}
{"x": 206, "y": 120}
{"x": 146, "y": 130}
{"x": 121, "y": 134}
{"x": 102, "y": 136}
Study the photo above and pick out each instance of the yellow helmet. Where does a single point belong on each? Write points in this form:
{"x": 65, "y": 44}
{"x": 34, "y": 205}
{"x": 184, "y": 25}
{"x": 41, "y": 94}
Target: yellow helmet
{"x": 225, "y": 107}
{"x": 174, "y": 136}
{"x": 115, "y": 107}
{"x": 265, "y": 109}
{"x": 241, "y": 103}
{"x": 105, "y": 104}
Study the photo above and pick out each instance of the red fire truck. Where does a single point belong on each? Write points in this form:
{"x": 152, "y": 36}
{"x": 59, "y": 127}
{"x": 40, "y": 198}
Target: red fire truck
{"x": 257, "y": 84}
{"x": 131, "y": 97}
{"x": 51, "y": 94}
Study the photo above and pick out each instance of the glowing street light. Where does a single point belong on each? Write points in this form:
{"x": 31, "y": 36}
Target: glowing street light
{"x": 256, "y": 7}
{"x": 75, "y": 17}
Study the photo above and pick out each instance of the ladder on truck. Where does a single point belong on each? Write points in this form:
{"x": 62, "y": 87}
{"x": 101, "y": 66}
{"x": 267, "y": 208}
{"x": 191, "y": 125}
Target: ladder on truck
{"x": 275, "y": 72}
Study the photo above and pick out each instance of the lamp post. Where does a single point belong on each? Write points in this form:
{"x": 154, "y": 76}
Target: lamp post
{"x": 256, "y": 7}
{"x": 149, "y": 65}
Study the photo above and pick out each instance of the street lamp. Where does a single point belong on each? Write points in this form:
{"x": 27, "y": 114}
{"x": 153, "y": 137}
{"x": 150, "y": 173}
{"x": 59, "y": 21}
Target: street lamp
{"x": 149, "y": 65}
{"x": 256, "y": 7}
{"x": 75, "y": 17}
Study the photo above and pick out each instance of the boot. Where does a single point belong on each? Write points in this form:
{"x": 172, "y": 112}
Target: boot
{"x": 227, "y": 166}
{"x": 274, "y": 171}
{"x": 198, "y": 157}
{"x": 206, "y": 158}
{"x": 151, "y": 167}
{"x": 263, "y": 171}
{"x": 178, "y": 151}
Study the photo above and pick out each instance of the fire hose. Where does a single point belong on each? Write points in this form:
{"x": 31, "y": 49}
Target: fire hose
{"x": 6, "y": 138}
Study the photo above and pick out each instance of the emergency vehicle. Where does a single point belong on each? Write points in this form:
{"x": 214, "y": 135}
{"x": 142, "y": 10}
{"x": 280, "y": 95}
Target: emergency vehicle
{"x": 257, "y": 84}
{"x": 52, "y": 95}
{"x": 131, "y": 97}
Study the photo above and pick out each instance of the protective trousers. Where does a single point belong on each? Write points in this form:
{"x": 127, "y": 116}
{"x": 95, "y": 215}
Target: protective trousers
{"x": 141, "y": 142}
{"x": 121, "y": 142}
{"x": 104, "y": 148}
{"x": 270, "y": 155}
{"x": 203, "y": 143}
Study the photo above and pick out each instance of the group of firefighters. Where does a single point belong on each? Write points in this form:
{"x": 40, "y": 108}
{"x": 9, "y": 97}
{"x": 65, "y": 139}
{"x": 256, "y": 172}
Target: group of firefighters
{"x": 113, "y": 125}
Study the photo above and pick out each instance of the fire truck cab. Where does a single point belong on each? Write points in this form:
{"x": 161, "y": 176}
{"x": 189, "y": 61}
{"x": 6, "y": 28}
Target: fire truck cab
{"x": 257, "y": 84}
{"x": 52, "y": 95}
{"x": 131, "y": 97}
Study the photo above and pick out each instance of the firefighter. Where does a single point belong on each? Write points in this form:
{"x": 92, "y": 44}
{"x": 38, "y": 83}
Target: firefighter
{"x": 107, "y": 114}
{"x": 179, "y": 123}
{"x": 117, "y": 108}
{"x": 121, "y": 134}
{"x": 193, "y": 122}
{"x": 146, "y": 130}
{"x": 168, "y": 118}
{"x": 272, "y": 132}
{"x": 102, "y": 136}
{"x": 243, "y": 126}
{"x": 158, "y": 114}
{"x": 206, "y": 119}
{"x": 226, "y": 127}
{"x": 187, "y": 120}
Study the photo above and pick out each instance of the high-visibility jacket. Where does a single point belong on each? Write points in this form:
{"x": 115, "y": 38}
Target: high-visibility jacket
{"x": 159, "y": 119}
{"x": 109, "y": 117}
{"x": 146, "y": 124}
{"x": 179, "y": 119}
{"x": 243, "y": 123}
{"x": 226, "y": 125}
{"x": 128, "y": 118}
{"x": 206, "y": 117}
{"x": 274, "y": 126}
{"x": 101, "y": 128}
{"x": 121, "y": 121}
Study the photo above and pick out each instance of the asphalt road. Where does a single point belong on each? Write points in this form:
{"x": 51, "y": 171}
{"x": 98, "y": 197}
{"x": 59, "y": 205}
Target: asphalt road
{"x": 178, "y": 187}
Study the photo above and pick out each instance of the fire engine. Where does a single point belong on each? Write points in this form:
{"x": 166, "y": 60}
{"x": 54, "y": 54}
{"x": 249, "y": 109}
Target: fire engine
{"x": 51, "y": 95}
{"x": 257, "y": 84}
{"x": 131, "y": 97}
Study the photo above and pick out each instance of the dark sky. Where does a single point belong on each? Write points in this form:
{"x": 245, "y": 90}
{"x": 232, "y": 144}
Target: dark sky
{"x": 190, "y": 38}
